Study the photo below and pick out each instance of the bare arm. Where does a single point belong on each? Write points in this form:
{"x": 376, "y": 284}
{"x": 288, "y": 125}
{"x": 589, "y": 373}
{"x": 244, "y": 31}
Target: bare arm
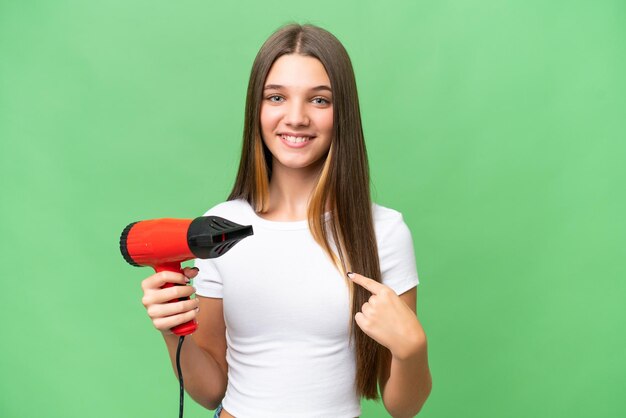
{"x": 406, "y": 381}
{"x": 203, "y": 355}
{"x": 391, "y": 320}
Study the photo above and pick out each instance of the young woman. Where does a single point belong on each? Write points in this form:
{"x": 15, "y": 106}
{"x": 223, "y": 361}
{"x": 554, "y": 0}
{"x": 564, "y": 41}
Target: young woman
{"x": 285, "y": 328}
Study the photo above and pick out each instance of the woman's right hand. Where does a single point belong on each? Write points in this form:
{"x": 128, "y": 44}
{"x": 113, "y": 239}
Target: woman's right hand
{"x": 166, "y": 315}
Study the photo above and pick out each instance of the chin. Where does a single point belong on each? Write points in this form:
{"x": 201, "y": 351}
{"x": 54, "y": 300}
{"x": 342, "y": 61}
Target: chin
{"x": 295, "y": 165}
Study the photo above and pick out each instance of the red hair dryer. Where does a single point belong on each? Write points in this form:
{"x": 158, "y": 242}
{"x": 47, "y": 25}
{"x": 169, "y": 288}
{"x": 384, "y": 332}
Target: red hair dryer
{"x": 165, "y": 243}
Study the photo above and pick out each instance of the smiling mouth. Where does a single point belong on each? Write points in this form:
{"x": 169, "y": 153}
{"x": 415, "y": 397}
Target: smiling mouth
{"x": 296, "y": 139}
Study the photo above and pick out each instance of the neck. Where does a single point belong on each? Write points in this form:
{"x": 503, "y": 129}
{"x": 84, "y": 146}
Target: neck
{"x": 290, "y": 191}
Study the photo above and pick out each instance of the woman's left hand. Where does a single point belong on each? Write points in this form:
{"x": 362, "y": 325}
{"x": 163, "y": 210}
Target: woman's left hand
{"x": 388, "y": 320}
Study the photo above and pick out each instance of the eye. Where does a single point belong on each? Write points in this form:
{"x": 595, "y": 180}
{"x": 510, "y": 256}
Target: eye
{"x": 275, "y": 98}
{"x": 321, "y": 101}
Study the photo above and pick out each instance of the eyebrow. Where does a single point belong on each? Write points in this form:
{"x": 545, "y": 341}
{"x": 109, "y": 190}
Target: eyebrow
{"x": 279, "y": 87}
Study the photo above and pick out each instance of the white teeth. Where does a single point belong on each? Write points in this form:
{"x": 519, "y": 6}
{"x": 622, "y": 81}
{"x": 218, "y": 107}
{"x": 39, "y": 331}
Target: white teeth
{"x": 295, "y": 139}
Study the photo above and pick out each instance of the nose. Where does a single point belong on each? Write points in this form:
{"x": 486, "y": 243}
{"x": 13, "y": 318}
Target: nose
{"x": 296, "y": 114}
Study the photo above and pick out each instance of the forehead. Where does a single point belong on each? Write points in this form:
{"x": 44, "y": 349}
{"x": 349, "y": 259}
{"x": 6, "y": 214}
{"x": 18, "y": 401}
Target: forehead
{"x": 296, "y": 70}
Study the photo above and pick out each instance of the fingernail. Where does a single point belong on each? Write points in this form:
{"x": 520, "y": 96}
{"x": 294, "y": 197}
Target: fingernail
{"x": 350, "y": 274}
{"x": 195, "y": 268}
{"x": 187, "y": 279}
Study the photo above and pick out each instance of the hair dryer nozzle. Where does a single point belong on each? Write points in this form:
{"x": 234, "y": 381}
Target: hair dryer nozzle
{"x": 213, "y": 236}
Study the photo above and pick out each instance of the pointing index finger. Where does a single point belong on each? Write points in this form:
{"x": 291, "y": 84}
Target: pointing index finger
{"x": 372, "y": 285}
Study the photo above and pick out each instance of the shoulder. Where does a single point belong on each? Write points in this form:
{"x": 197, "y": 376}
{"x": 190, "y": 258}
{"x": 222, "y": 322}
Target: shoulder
{"x": 237, "y": 209}
{"x": 393, "y": 235}
{"x": 384, "y": 214}
{"x": 388, "y": 222}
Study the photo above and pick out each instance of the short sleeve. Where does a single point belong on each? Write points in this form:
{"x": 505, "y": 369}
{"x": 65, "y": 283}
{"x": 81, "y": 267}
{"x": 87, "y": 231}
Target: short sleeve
{"x": 396, "y": 252}
{"x": 208, "y": 282}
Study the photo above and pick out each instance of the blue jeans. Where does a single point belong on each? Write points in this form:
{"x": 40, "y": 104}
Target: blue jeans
{"x": 218, "y": 411}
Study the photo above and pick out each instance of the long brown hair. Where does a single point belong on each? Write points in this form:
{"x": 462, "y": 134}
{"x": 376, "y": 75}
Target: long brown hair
{"x": 343, "y": 184}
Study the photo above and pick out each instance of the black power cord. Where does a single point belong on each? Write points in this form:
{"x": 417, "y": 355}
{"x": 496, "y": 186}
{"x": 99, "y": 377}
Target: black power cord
{"x": 180, "y": 377}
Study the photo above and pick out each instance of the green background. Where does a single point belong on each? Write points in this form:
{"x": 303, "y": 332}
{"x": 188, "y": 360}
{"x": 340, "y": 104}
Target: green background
{"x": 496, "y": 127}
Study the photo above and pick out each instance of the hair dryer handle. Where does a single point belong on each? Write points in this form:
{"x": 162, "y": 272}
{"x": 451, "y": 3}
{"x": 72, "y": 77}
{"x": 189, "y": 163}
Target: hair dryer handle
{"x": 188, "y": 327}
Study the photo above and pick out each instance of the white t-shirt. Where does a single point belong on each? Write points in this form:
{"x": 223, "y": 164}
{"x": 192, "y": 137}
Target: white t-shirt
{"x": 287, "y": 314}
